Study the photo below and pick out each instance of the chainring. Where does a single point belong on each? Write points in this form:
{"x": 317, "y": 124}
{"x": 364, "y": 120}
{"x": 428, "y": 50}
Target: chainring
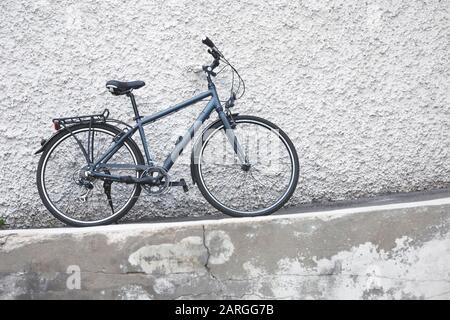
{"x": 161, "y": 181}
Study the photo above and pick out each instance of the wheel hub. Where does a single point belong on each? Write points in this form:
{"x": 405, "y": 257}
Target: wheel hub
{"x": 79, "y": 177}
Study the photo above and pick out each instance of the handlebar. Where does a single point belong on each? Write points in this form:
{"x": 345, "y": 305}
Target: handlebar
{"x": 207, "y": 41}
{"x": 209, "y": 70}
{"x": 215, "y": 53}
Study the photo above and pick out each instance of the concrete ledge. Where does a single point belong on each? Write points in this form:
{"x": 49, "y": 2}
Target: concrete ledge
{"x": 398, "y": 251}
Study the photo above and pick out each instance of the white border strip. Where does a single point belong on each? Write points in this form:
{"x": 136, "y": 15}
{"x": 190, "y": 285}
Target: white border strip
{"x": 323, "y": 215}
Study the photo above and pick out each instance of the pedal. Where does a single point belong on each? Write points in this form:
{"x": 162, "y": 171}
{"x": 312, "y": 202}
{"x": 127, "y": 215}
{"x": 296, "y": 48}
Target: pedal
{"x": 184, "y": 185}
{"x": 181, "y": 183}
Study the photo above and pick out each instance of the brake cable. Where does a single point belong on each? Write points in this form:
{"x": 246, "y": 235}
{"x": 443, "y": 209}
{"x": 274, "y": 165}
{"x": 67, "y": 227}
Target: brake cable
{"x": 223, "y": 59}
{"x": 233, "y": 71}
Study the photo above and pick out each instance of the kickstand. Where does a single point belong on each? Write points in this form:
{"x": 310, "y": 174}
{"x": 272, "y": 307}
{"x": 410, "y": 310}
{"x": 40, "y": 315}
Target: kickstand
{"x": 107, "y": 189}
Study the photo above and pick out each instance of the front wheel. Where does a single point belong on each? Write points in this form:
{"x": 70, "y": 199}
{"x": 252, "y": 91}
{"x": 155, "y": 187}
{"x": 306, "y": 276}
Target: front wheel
{"x": 260, "y": 187}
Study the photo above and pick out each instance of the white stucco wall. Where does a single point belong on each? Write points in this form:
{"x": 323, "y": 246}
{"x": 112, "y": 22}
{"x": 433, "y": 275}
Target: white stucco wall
{"x": 362, "y": 89}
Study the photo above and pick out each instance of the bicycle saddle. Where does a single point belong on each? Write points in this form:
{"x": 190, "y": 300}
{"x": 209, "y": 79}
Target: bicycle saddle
{"x": 122, "y": 87}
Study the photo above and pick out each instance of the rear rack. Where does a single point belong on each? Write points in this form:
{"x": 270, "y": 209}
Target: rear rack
{"x": 82, "y": 119}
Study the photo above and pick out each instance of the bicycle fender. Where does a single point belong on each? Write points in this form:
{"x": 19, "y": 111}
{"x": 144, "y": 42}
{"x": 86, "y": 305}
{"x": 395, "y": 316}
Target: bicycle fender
{"x": 45, "y": 142}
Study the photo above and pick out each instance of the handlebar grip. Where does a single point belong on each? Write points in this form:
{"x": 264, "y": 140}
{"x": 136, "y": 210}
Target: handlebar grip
{"x": 208, "y": 42}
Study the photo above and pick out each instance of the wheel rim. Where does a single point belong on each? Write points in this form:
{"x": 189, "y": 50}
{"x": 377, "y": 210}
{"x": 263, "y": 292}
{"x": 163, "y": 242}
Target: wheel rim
{"x": 260, "y": 197}
{"x": 96, "y": 209}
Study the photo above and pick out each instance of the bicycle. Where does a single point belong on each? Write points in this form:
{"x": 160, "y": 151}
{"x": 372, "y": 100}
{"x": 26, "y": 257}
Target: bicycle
{"x": 84, "y": 178}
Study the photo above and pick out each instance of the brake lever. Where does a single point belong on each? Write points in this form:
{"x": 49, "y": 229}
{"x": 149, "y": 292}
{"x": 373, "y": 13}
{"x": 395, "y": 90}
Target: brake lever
{"x": 214, "y": 53}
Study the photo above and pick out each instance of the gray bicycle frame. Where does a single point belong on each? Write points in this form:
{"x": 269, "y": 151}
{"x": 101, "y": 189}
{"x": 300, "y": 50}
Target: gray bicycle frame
{"x": 213, "y": 104}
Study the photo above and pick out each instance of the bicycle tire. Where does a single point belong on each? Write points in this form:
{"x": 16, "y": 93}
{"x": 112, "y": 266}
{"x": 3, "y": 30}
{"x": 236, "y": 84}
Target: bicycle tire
{"x": 60, "y": 136}
{"x": 195, "y": 165}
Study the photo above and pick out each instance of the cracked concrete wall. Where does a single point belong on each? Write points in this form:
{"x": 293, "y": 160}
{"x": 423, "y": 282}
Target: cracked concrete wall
{"x": 384, "y": 254}
{"x": 361, "y": 88}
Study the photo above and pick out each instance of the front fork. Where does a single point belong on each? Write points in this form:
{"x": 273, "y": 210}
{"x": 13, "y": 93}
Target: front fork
{"x": 229, "y": 132}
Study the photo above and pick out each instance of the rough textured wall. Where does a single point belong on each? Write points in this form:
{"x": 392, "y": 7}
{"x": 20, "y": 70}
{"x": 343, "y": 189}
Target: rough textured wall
{"x": 361, "y": 88}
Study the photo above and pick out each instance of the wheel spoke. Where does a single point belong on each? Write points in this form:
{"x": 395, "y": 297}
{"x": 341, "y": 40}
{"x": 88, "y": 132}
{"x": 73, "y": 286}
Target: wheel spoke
{"x": 277, "y": 179}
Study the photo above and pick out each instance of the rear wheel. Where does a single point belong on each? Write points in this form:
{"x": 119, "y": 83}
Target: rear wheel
{"x": 258, "y": 189}
{"x": 75, "y": 199}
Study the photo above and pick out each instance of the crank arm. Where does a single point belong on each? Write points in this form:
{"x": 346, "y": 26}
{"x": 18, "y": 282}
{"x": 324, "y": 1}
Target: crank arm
{"x": 181, "y": 183}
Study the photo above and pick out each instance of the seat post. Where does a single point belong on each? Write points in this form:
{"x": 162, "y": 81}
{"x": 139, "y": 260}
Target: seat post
{"x": 133, "y": 103}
